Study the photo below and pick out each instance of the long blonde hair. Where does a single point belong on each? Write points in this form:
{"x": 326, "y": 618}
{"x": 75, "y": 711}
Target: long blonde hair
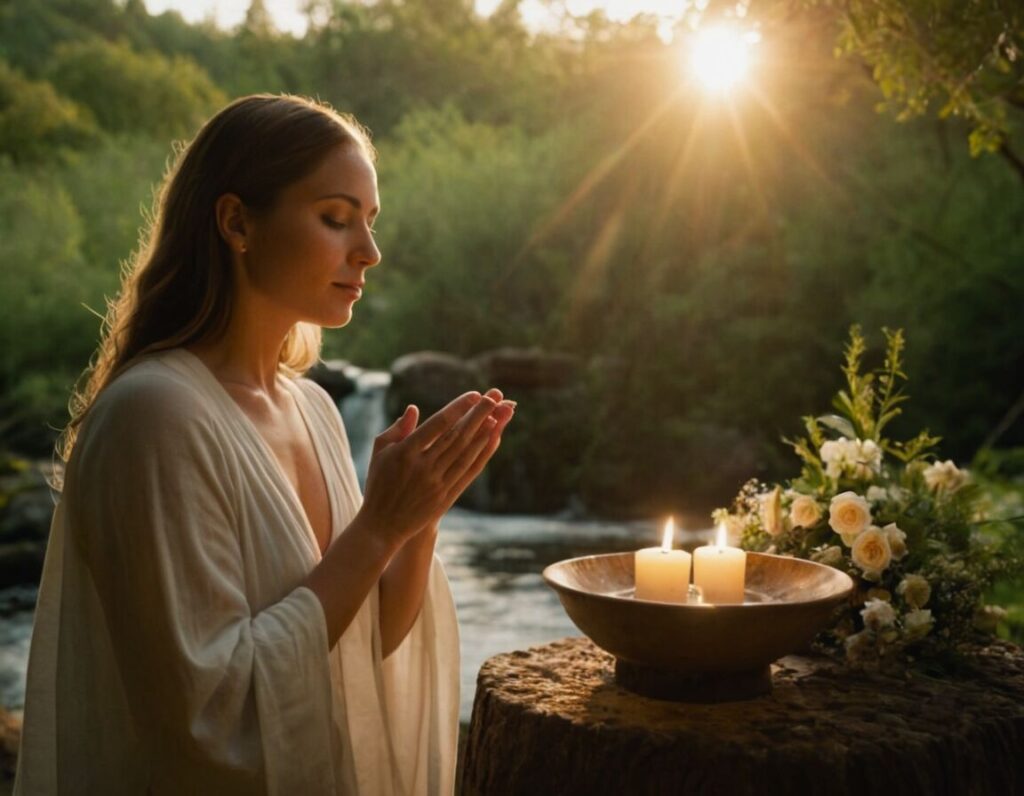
{"x": 177, "y": 287}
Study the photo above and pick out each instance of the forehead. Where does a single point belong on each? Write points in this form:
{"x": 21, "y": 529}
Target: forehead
{"x": 345, "y": 170}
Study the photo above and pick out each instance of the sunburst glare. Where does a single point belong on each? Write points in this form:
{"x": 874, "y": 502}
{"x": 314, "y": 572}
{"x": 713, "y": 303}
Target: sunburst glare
{"x": 720, "y": 58}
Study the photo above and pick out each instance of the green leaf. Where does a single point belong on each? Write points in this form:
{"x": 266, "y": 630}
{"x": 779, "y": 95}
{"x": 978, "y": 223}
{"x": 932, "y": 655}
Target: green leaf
{"x": 840, "y": 424}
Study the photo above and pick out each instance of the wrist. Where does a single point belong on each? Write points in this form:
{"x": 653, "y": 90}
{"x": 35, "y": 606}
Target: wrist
{"x": 379, "y": 542}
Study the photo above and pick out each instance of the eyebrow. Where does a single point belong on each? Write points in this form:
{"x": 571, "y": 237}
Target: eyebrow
{"x": 348, "y": 198}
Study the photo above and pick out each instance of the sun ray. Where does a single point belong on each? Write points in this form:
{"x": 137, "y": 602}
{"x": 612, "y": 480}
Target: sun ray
{"x": 748, "y": 159}
{"x": 798, "y": 147}
{"x": 590, "y": 181}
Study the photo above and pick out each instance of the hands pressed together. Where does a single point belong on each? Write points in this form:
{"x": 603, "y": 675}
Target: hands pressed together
{"x": 418, "y": 472}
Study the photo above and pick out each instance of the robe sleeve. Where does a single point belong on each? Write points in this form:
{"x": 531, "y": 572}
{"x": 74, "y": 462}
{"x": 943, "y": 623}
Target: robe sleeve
{"x": 237, "y": 692}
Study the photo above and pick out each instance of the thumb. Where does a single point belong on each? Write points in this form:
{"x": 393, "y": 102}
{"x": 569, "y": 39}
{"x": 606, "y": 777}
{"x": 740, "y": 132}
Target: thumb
{"x": 398, "y": 430}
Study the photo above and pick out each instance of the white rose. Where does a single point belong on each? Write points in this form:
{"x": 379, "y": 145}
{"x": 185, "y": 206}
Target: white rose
{"x": 867, "y": 458}
{"x": 804, "y": 511}
{"x": 871, "y": 552}
{"x": 849, "y": 514}
{"x": 897, "y": 540}
{"x": 877, "y": 494}
{"x": 833, "y": 454}
{"x": 854, "y": 457}
{"x": 917, "y": 624}
{"x": 915, "y": 590}
{"x": 944, "y": 476}
{"x": 878, "y": 614}
{"x": 771, "y": 511}
{"x": 831, "y": 556}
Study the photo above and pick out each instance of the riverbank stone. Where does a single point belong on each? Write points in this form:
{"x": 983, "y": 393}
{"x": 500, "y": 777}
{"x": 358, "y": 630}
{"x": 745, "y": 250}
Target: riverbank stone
{"x": 429, "y": 379}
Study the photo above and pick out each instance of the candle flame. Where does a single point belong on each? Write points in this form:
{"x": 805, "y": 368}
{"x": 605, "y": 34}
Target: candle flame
{"x": 722, "y": 539}
{"x": 666, "y": 539}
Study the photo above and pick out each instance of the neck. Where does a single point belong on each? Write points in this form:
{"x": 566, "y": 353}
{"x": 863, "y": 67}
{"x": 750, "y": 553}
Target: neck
{"x": 248, "y": 352}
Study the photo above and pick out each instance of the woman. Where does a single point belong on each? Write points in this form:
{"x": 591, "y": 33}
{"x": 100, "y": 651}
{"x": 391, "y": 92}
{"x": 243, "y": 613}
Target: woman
{"x": 220, "y": 611}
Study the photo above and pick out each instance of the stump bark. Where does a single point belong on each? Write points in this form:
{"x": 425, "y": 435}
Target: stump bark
{"x": 551, "y": 720}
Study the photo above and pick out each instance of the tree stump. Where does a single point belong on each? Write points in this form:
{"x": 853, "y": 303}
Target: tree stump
{"x": 551, "y": 720}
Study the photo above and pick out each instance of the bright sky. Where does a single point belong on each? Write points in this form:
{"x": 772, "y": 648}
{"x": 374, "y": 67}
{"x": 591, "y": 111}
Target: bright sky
{"x": 288, "y": 17}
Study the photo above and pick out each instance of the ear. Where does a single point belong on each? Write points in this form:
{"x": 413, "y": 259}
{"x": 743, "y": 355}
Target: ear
{"x": 232, "y": 222}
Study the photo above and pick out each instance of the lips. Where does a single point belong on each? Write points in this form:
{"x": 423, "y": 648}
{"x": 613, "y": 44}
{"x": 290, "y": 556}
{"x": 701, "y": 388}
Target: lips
{"x": 356, "y": 289}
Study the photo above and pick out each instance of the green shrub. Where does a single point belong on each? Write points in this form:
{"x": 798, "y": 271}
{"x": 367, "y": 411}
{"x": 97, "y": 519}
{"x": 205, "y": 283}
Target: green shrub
{"x": 35, "y": 120}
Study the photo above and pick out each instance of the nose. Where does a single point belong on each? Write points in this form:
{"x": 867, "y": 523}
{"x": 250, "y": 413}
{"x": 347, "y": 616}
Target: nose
{"x": 367, "y": 255}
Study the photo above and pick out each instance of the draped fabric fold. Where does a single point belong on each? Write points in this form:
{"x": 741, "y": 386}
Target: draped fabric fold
{"x": 174, "y": 649}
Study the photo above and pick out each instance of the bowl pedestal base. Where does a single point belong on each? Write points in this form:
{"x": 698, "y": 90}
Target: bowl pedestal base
{"x": 674, "y": 686}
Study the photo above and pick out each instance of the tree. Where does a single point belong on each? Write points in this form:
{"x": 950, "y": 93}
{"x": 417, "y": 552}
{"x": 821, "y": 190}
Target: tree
{"x": 35, "y": 119}
{"x": 962, "y": 58}
{"x": 129, "y": 91}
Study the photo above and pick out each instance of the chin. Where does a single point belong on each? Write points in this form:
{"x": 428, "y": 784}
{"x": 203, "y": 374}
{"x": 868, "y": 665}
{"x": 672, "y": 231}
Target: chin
{"x": 337, "y": 319}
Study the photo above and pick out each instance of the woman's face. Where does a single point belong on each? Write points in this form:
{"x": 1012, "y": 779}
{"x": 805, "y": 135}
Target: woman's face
{"x": 310, "y": 252}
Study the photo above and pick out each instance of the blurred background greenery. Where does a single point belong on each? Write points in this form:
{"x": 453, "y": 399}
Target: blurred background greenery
{"x": 571, "y": 189}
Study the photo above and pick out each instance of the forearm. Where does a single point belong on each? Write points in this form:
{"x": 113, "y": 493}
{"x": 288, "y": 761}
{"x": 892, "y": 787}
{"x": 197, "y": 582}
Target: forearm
{"x": 351, "y": 567}
{"x": 402, "y": 587}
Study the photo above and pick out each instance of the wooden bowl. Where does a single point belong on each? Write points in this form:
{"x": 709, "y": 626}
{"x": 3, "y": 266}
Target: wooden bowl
{"x": 699, "y": 652}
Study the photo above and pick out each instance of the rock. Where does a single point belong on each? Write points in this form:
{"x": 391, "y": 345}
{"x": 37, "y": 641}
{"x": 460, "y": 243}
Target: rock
{"x": 10, "y": 741}
{"x": 534, "y": 470}
{"x": 26, "y": 509}
{"x": 551, "y": 719}
{"x": 429, "y": 379}
{"x": 335, "y": 376}
{"x": 27, "y": 515}
{"x": 21, "y": 562}
{"x": 516, "y": 369}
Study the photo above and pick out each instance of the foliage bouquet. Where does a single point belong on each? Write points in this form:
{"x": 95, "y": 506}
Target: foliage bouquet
{"x": 905, "y": 526}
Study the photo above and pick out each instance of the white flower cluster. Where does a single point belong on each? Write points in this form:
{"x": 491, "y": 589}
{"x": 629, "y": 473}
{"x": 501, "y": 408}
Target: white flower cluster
{"x": 871, "y": 548}
{"x": 883, "y": 626}
{"x": 944, "y": 476}
{"x": 894, "y": 612}
{"x": 851, "y": 457}
{"x": 892, "y": 494}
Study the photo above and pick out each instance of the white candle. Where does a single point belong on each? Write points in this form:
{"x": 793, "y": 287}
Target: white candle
{"x": 662, "y": 574}
{"x": 720, "y": 571}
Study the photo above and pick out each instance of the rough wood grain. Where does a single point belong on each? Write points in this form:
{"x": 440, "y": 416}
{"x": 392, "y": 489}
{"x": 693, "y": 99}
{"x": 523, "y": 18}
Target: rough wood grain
{"x": 551, "y": 720}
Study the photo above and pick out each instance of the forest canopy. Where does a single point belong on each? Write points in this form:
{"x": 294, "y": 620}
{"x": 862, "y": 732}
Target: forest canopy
{"x": 571, "y": 189}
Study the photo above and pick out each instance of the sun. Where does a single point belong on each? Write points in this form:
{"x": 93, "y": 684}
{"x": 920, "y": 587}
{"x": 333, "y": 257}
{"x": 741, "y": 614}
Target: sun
{"x": 720, "y": 58}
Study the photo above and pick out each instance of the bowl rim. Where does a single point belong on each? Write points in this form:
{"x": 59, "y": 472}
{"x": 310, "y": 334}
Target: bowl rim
{"x": 837, "y": 597}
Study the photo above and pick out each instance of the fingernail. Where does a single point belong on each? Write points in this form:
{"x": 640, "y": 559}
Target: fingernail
{"x": 511, "y": 404}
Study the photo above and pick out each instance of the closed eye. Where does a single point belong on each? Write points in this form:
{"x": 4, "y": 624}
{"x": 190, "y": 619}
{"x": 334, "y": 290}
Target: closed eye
{"x": 340, "y": 225}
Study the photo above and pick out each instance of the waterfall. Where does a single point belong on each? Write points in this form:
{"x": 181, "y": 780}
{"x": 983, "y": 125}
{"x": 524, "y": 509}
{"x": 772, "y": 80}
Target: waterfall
{"x": 363, "y": 413}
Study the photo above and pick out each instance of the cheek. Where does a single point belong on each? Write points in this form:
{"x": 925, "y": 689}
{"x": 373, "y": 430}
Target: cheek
{"x": 306, "y": 249}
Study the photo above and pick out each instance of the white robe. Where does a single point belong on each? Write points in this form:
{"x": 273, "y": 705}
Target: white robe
{"x": 174, "y": 650}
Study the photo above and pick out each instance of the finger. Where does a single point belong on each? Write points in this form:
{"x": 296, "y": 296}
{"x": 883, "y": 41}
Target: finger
{"x": 438, "y": 423}
{"x": 398, "y": 430}
{"x": 489, "y": 433}
{"x": 503, "y": 414}
{"x": 493, "y": 441}
{"x": 467, "y": 454}
{"x": 450, "y": 445}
